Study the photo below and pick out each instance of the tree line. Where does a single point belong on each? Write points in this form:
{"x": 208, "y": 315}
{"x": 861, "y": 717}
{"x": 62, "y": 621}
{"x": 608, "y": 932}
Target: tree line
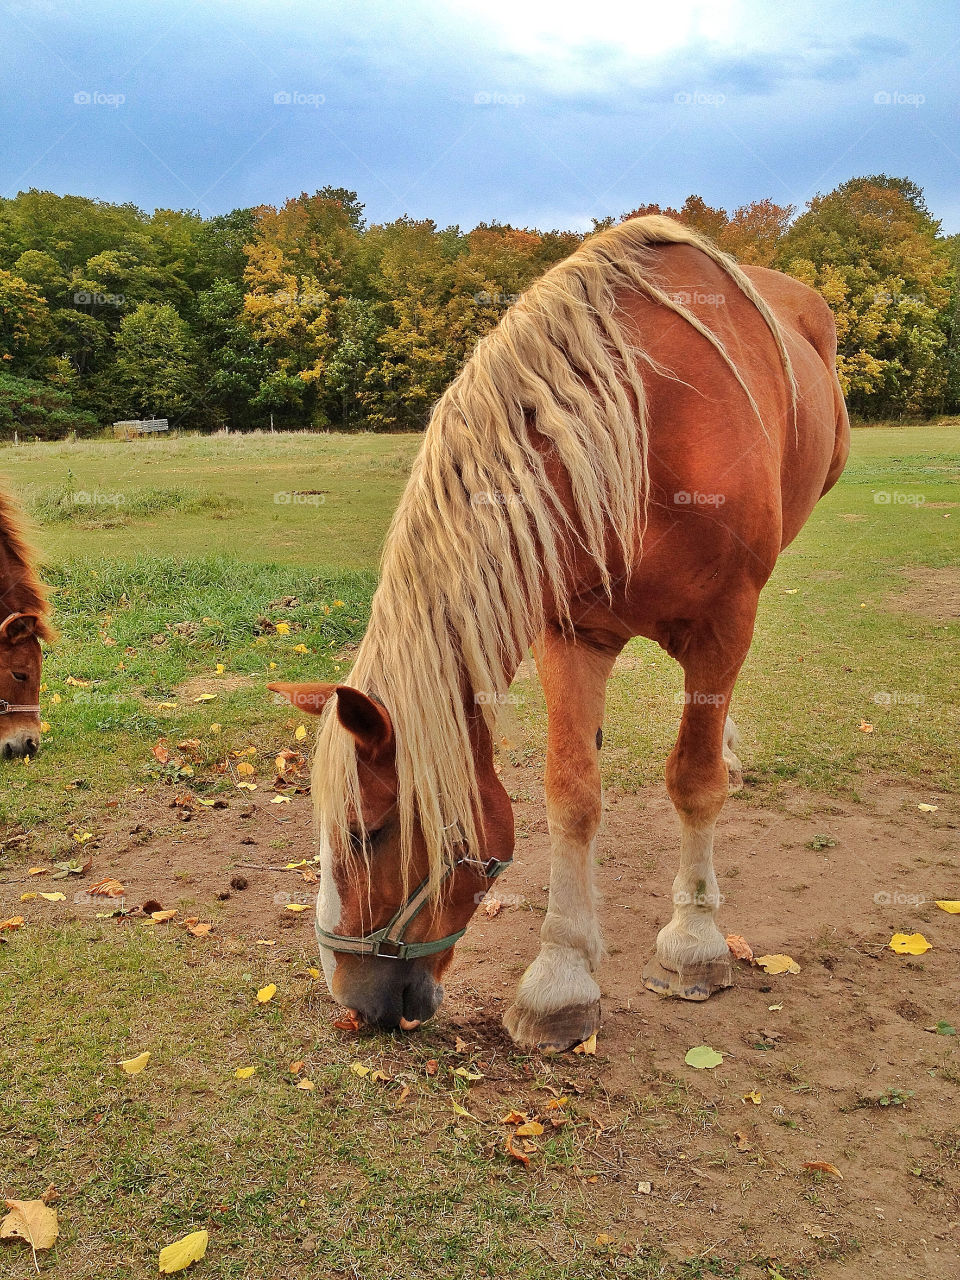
{"x": 309, "y": 317}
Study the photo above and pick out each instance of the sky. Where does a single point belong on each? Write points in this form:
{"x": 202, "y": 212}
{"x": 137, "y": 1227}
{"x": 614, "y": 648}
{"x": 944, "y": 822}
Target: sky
{"x": 541, "y": 113}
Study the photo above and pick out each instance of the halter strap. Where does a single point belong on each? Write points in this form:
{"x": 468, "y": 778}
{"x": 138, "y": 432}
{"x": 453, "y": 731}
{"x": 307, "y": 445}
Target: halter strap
{"x": 7, "y": 708}
{"x": 388, "y": 941}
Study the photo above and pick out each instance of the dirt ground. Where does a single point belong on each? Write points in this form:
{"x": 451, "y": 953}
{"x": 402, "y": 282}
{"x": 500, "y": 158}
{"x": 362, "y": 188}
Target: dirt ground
{"x": 826, "y": 1050}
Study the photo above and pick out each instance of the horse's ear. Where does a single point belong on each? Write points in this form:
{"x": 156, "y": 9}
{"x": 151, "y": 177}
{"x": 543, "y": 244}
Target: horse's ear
{"x": 368, "y": 721}
{"x": 18, "y": 627}
{"x": 306, "y": 697}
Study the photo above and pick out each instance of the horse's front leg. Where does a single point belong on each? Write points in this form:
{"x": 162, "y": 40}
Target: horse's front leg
{"x": 558, "y": 1000}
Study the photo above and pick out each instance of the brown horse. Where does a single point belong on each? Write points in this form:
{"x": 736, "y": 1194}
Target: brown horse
{"x": 24, "y": 622}
{"x": 626, "y": 454}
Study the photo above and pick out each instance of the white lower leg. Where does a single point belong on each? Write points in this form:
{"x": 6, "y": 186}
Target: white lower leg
{"x": 571, "y": 946}
{"x": 692, "y": 937}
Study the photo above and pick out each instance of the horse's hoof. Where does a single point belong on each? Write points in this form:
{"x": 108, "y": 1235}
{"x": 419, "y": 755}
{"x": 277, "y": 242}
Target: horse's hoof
{"x": 553, "y": 1032}
{"x": 698, "y": 982}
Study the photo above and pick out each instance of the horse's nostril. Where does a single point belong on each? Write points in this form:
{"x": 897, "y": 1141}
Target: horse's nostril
{"x": 33, "y": 746}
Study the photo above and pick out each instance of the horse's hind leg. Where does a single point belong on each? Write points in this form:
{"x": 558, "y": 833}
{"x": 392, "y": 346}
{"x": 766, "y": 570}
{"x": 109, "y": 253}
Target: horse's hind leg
{"x": 558, "y": 1000}
{"x": 731, "y": 738}
{"x": 692, "y": 958}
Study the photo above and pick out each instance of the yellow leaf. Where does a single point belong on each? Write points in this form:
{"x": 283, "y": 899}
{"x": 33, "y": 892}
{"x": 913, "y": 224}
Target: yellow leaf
{"x": 133, "y": 1066}
{"x": 468, "y": 1075}
{"x": 27, "y": 897}
{"x": 928, "y": 808}
{"x": 300, "y": 733}
{"x": 946, "y": 905}
{"x": 162, "y": 917}
{"x": 514, "y": 1117}
{"x": 244, "y": 1073}
{"x": 280, "y": 800}
{"x": 30, "y": 1220}
{"x": 532, "y": 1129}
{"x": 244, "y": 768}
{"x": 461, "y": 1111}
{"x": 314, "y": 973}
{"x": 54, "y": 897}
{"x": 220, "y": 668}
{"x": 165, "y": 706}
{"x": 753, "y": 1096}
{"x": 305, "y": 1084}
{"x": 778, "y": 964}
{"x": 283, "y": 628}
{"x": 266, "y": 942}
{"x": 909, "y": 944}
{"x": 179, "y": 1255}
{"x": 205, "y": 697}
{"x": 588, "y": 1046}
{"x": 300, "y": 648}
{"x": 38, "y": 871}
{"x": 215, "y": 727}
{"x": 297, "y": 906}
{"x": 359, "y": 1069}
{"x": 266, "y": 993}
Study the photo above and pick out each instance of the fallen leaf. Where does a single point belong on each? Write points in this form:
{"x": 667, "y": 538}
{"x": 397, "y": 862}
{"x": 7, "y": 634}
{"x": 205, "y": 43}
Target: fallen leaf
{"x": 359, "y": 1069}
{"x": 588, "y": 1048}
{"x": 12, "y": 922}
{"x": 280, "y": 800}
{"x": 865, "y": 727}
{"x": 205, "y": 697}
{"x": 461, "y": 1111}
{"x": 514, "y": 1117}
{"x": 160, "y": 752}
{"x": 644, "y": 1188}
{"x": 245, "y": 768}
{"x": 461, "y": 1045}
{"x": 702, "y": 1056}
{"x": 300, "y": 648}
{"x": 347, "y": 1023}
{"x": 942, "y": 1028}
{"x": 753, "y": 1096}
{"x": 297, "y": 906}
{"x": 296, "y": 1067}
{"x": 27, "y": 897}
{"x": 491, "y": 907}
{"x": 266, "y": 993}
{"x": 909, "y": 944}
{"x": 928, "y": 808}
{"x": 244, "y": 1073}
{"x": 778, "y": 964}
{"x": 532, "y": 1129}
{"x": 179, "y": 1255}
{"x": 30, "y": 1220}
{"x": 199, "y": 930}
{"x": 431, "y": 1066}
{"x": 947, "y": 905}
{"x": 775, "y": 1008}
{"x": 108, "y": 888}
{"x": 553, "y": 1104}
{"x": 266, "y": 942}
{"x": 300, "y": 733}
{"x": 54, "y": 897}
{"x": 741, "y": 1141}
{"x": 161, "y": 917}
{"x": 815, "y": 1233}
{"x": 133, "y": 1066}
{"x": 306, "y": 1085}
{"x": 511, "y": 1150}
{"x": 603, "y": 1240}
{"x": 467, "y": 1074}
{"x": 821, "y": 1166}
{"x": 740, "y": 948}
{"x": 38, "y": 871}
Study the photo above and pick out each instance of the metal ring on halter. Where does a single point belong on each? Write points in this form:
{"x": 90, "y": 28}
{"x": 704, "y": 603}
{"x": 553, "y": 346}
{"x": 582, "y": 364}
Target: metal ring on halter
{"x": 7, "y": 708}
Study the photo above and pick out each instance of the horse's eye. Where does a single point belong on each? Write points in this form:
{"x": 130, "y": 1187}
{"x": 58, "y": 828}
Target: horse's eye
{"x": 20, "y": 675}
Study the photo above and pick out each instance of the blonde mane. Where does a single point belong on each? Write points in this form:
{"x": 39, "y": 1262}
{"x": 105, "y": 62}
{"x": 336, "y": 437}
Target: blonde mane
{"x": 478, "y": 537}
{"x": 24, "y": 592}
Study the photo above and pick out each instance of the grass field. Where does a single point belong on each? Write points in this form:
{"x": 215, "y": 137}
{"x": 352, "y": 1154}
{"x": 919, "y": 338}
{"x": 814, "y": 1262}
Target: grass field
{"x": 172, "y": 562}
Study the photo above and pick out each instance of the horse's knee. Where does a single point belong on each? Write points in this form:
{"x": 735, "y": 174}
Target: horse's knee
{"x": 574, "y": 807}
{"x": 697, "y": 786}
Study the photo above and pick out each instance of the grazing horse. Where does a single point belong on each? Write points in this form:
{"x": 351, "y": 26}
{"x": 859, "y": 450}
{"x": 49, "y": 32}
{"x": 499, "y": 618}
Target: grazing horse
{"x": 24, "y": 622}
{"x": 626, "y": 454}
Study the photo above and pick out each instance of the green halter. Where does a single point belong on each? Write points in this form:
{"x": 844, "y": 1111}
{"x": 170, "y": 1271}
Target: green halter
{"x": 388, "y": 941}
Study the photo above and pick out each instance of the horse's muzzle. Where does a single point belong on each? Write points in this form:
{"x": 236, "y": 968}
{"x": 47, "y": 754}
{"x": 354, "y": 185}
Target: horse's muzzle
{"x": 18, "y": 745}
{"x": 388, "y": 993}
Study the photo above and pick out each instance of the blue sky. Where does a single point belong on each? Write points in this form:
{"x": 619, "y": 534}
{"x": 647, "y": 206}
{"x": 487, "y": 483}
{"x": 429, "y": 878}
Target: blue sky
{"x": 538, "y": 112}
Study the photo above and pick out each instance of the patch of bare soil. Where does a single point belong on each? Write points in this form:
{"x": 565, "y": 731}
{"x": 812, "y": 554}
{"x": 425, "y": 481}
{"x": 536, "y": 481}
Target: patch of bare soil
{"x": 842, "y": 1056}
{"x": 933, "y": 593}
{"x": 198, "y": 685}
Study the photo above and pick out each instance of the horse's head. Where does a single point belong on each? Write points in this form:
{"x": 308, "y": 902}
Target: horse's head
{"x": 19, "y": 685}
{"x": 387, "y": 926}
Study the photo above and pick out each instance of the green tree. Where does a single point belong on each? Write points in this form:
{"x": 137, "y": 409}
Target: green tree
{"x": 26, "y": 330}
{"x": 154, "y": 368}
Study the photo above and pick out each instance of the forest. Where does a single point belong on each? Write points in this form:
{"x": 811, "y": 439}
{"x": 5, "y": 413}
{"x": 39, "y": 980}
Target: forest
{"x": 309, "y": 317}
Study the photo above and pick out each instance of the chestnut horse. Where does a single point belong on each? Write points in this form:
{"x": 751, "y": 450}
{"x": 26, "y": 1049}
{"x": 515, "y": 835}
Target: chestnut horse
{"x": 626, "y": 454}
{"x": 24, "y": 622}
